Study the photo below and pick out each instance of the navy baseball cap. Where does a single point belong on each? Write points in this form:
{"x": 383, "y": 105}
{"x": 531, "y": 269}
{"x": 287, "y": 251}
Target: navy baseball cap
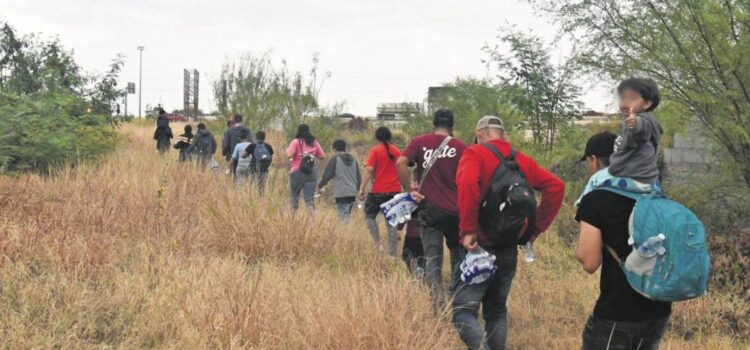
{"x": 600, "y": 145}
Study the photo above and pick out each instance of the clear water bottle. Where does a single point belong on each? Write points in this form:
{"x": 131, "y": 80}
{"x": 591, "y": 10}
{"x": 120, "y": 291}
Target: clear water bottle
{"x": 643, "y": 258}
{"x": 398, "y": 210}
{"x": 652, "y": 246}
{"x": 528, "y": 252}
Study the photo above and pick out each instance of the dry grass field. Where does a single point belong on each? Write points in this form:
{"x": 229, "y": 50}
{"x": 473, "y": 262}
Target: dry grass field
{"x": 140, "y": 251}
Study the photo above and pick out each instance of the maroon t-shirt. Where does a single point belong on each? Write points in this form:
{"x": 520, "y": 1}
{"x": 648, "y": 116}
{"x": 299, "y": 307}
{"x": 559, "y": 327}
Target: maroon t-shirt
{"x": 439, "y": 187}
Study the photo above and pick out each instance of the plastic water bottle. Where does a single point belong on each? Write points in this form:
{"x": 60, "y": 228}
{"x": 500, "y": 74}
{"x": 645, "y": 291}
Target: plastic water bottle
{"x": 398, "y": 210}
{"x": 477, "y": 267}
{"x": 528, "y": 252}
{"x": 643, "y": 258}
{"x": 652, "y": 246}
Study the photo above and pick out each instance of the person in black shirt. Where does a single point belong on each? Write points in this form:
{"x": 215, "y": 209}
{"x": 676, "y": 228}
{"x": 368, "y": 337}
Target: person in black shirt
{"x": 262, "y": 154}
{"x": 622, "y": 318}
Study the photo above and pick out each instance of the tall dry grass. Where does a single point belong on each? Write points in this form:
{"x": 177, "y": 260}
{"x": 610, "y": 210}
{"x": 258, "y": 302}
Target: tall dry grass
{"x": 140, "y": 251}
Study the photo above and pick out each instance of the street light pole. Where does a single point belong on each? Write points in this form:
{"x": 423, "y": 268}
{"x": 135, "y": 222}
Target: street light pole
{"x": 140, "y": 79}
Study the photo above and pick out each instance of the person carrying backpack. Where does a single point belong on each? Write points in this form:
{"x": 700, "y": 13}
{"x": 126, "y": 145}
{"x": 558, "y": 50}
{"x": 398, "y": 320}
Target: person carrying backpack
{"x": 497, "y": 211}
{"x": 262, "y": 157}
{"x": 343, "y": 169}
{"x": 204, "y": 146}
{"x": 163, "y": 136}
{"x": 652, "y": 252}
{"x": 304, "y": 150}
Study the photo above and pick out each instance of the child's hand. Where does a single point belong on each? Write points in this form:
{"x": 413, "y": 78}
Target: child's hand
{"x": 632, "y": 118}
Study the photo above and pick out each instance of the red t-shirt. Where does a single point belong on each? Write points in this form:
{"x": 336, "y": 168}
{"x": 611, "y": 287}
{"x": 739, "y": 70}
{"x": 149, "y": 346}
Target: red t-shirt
{"x": 439, "y": 187}
{"x": 386, "y": 177}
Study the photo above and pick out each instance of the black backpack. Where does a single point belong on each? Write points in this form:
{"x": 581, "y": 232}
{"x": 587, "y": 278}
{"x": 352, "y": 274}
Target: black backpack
{"x": 507, "y": 214}
{"x": 262, "y": 157}
{"x": 200, "y": 147}
{"x": 307, "y": 162}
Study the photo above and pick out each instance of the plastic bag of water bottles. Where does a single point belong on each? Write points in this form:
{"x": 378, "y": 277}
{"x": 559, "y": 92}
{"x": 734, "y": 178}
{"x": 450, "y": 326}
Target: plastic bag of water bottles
{"x": 477, "y": 267}
{"x": 398, "y": 210}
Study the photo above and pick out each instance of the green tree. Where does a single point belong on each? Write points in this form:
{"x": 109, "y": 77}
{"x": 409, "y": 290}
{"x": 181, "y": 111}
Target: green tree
{"x": 545, "y": 93}
{"x": 469, "y": 99}
{"x": 696, "y": 49}
{"x": 105, "y": 93}
{"x": 266, "y": 95}
{"x": 50, "y": 113}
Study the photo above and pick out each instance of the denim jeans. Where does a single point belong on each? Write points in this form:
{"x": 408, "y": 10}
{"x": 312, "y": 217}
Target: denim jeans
{"x": 241, "y": 177}
{"x": 600, "y": 334}
{"x": 300, "y": 182}
{"x": 372, "y": 211}
{"x": 344, "y": 209}
{"x": 436, "y": 225}
{"x": 492, "y": 294}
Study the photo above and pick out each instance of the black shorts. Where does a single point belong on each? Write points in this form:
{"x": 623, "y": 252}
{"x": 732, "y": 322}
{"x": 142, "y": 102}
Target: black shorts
{"x": 373, "y": 202}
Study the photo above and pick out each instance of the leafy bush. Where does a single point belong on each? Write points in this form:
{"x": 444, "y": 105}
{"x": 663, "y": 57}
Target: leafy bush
{"x": 49, "y": 129}
{"x": 50, "y": 111}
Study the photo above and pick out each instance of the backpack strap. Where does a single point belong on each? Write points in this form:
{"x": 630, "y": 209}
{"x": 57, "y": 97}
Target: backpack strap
{"x": 496, "y": 151}
{"x": 614, "y": 254}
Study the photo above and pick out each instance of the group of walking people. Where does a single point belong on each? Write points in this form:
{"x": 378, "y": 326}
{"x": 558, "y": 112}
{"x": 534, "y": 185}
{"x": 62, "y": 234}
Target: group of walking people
{"x": 453, "y": 183}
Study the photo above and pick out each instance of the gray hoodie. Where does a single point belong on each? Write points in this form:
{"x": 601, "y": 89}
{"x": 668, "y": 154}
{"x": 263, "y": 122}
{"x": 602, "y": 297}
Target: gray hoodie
{"x": 344, "y": 171}
{"x": 635, "y": 152}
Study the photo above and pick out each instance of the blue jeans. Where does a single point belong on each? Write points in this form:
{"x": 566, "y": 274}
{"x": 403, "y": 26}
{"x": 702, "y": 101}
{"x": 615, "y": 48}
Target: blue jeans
{"x": 600, "y": 334}
{"x": 305, "y": 184}
{"x": 492, "y": 294}
{"x": 344, "y": 209}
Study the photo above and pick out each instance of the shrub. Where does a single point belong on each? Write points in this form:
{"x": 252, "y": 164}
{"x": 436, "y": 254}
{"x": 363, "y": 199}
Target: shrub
{"x": 50, "y": 129}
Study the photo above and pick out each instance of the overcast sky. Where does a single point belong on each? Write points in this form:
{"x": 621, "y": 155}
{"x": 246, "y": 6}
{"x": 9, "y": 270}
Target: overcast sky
{"x": 377, "y": 50}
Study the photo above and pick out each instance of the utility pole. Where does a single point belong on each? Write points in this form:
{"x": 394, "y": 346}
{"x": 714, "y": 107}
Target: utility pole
{"x": 129, "y": 90}
{"x": 140, "y": 79}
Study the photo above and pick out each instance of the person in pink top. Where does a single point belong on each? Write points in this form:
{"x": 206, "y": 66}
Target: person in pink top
{"x": 304, "y": 151}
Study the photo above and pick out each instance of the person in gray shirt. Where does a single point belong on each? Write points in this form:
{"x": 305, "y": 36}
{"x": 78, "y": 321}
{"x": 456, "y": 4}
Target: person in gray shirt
{"x": 232, "y": 137}
{"x": 633, "y": 165}
{"x": 343, "y": 169}
{"x": 636, "y": 147}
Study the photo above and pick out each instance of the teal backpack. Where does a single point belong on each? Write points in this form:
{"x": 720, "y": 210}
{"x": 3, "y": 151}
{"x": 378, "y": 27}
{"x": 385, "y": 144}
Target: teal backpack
{"x": 682, "y": 271}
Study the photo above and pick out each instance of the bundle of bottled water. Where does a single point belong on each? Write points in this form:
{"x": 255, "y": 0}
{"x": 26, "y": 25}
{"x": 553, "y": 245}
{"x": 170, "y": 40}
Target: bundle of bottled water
{"x": 477, "y": 267}
{"x": 398, "y": 210}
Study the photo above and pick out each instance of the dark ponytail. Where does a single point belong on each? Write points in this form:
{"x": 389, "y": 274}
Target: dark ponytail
{"x": 383, "y": 134}
{"x": 303, "y": 133}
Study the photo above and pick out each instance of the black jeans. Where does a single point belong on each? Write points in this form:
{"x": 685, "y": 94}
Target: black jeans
{"x": 601, "y": 334}
{"x": 437, "y": 227}
{"x": 492, "y": 294}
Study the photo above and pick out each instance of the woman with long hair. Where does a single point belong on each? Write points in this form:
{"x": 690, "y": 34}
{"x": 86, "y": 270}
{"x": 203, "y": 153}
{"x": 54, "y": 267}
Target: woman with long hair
{"x": 381, "y": 163}
{"x": 304, "y": 150}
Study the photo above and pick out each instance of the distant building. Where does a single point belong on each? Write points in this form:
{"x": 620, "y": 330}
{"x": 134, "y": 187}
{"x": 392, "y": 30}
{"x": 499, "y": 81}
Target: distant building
{"x": 590, "y": 116}
{"x": 398, "y": 112}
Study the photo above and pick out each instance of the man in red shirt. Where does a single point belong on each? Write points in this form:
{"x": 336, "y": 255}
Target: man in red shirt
{"x": 474, "y": 178}
{"x": 438, "y": 215}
